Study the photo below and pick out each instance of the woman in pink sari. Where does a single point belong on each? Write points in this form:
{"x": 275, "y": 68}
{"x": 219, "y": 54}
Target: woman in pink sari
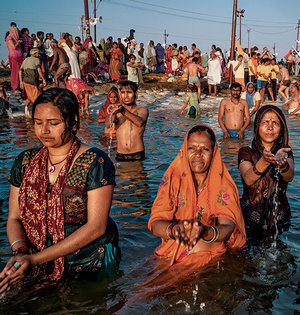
{"x": 15, "y": 56}
{"x": 115, "y": 63}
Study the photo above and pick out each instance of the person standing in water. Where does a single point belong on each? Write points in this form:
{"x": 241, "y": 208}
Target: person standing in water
{"x": 235, "y": 112}
{"x": 266, "y": 168}
{"x": 130, "y": 123}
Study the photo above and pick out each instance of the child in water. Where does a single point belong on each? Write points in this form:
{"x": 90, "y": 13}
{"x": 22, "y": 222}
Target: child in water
{"x": 112, "y": 100}
{"x": 192, "y": 100}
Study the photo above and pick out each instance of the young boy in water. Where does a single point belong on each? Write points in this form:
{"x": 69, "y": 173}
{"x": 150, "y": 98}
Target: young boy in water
{"x": 130, "y": 122}
{"x": 235, "y": 112}
{"x": 192, "y": 101}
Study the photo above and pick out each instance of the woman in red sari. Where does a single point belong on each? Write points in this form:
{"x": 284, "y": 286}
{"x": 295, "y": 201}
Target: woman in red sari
{"x": 168, "y": 58}
{"x": 89, "y": 66}
{"x": 115, "y": 63}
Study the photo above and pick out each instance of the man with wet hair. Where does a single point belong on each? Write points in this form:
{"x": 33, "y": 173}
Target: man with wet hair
{"x": 235, "y": 112}
{"x": 130, "y": 123}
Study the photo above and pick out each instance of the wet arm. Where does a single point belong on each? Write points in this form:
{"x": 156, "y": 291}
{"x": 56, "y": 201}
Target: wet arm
{"x": 41, "y": 75}
{"x": 138, "y": 119}
{"x": 21, "y": 78}
{"x": 289, "y": 175}
{"x": 247, "y": 172}
{"x": 221, "y": 115}
{"x": 247, "y": 116}
{"x": 55, "y": 55}
{"x": 95, "y": 227}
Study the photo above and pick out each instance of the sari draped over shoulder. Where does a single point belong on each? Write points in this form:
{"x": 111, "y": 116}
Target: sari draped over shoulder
{"x": 115, "y": 63}
{"x": 41, "y": 214}
{"x": 177, "y": 201}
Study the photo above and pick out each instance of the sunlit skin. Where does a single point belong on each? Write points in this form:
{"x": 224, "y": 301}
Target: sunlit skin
{"x": 49, "y": 126}
{"x": 269, "y": 131}
{"x": 187, "y": 232}
{"x": 199, "y": 153}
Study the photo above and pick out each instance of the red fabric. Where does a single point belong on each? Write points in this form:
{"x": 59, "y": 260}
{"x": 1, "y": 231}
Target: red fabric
{"x": 78, "y": 87}
{"x": 39, "y": 213}
{"x": 15, "y": 65}
{"x": 168, "y": 58}
{"x": 103, "y": 110}
{"x": 115, "y": 63}
{"x": 89, "y": 61}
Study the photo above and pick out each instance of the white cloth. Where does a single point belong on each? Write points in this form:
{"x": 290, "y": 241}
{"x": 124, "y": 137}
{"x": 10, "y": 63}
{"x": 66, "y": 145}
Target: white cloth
{"x": 291, "y": 110}
{"x": 214, "y": 71}
{"x": 75, "y": 70}
{"x": 174, "y": 64}
{"x": 132, "y": 73}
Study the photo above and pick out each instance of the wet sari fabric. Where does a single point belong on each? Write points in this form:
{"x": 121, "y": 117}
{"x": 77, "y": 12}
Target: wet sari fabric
{"x": 265, "y": 202}
{"x": 177, "y": 201}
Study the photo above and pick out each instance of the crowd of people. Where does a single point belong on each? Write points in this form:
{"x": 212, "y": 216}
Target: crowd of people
{"x": 61, "y": 193}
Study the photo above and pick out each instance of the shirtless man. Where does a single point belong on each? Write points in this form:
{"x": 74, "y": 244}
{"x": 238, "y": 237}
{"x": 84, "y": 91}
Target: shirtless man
{"x": 60, "y": 57}
{"x": 130, "y": 123}
{"x": 294, "y": 105}
{"x": 235, "y": 112}
{"x": 284, "y": 82}
{"x": 192, "y": 72}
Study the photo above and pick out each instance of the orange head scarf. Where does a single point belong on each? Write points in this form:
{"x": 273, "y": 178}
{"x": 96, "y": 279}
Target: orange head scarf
{"x": 177, "y": 200}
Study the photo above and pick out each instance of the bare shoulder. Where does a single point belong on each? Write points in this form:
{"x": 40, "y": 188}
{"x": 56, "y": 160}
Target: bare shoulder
{"x": 225, "y": 100}
{"x": 244, "y": 102}
{"x": 142, "y": 109}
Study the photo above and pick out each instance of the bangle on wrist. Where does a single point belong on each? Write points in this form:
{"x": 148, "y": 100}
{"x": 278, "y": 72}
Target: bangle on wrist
{"x": 16, "y": 241}
{"x": 169, "y": 231}
{"x": 21, "y": 250}
{"x": 214, "y": 236}
{"x": 256, "y": 171}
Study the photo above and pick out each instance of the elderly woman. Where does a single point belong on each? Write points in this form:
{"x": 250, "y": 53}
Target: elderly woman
{"x": 266, "y": 168}
{"x": 197, "y": 212}
{"x": 60, "y": 199}
{"x": 15, "y": 56}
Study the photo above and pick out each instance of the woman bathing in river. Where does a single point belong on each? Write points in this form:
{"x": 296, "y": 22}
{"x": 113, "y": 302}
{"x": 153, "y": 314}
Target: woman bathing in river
{"x": 60, "y": 199}
{"x": 197, "y": 212}
{"x": 266, "y": 169}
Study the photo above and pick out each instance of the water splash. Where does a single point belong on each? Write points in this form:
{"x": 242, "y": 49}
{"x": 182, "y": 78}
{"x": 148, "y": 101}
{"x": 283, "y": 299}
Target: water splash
{"x": 276, "y": 204}
{"x": 186, "y": 304}
{"x": 110, "y": 133}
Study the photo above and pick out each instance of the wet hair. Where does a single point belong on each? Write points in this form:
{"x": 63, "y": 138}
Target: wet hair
{"x": 192, "y": 87}
{"x": 39, "y": 33}
{"x": 24, "y": 29}
{"x": 131, "y": 84}
{"x": 205, "y": 129}
{"x": 132, "y": 56}
{"x": 67, "y": 104}
{"x": 236, "y": 85}
{"x": 195, "y": 59}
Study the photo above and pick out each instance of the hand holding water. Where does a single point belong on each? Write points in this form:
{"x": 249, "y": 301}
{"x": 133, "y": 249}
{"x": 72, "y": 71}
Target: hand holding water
{"x": 281, "y": 156}
{"x": 114, "y": 109}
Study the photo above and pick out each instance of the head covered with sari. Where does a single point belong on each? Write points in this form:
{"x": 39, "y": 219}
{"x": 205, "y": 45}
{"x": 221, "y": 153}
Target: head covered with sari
{"x": 103, "y": 110}
{"x": 250, "y": 97}
{"x": 177, "y": 199}
{"x": 14, "y": 33}
{"x": 283, "y": 139}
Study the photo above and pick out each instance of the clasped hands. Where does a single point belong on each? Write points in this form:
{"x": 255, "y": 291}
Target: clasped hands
{"x": 187, "y": 233}
{"x": 114, "y": 109}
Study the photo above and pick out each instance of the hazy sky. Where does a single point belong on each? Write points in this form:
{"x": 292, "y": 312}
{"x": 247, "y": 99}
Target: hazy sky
{"x": 188, "y": 21}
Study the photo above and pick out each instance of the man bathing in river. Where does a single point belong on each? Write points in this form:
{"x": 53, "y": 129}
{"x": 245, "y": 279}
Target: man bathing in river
{"x": 235, "y": 112}
{"x": 130, "y": 123}
{"x": 192, "y": 72}
{"x": 63, "y": 67}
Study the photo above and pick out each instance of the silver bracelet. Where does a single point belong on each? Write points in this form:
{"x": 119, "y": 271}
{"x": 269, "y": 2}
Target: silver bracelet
{"x": 13, "y": 243}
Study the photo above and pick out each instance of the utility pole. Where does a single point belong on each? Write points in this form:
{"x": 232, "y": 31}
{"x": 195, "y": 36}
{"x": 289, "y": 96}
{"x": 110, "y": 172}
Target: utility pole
{"x": 240, "y": 13}
{"x": 95, "y": 10}
{"x": 82, "y": 27}
{"x": 248, "y": 30}
{"x": 232, "y": 39}
{"x": 165, "y": 35}
{"x": 87, "y": 19}
{"x": 274, "y": 49}
{"x": 297, "y": 44}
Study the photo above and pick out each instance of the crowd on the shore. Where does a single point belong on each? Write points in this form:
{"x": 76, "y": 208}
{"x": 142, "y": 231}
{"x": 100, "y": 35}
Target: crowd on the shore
{"x": 61, "y": 193}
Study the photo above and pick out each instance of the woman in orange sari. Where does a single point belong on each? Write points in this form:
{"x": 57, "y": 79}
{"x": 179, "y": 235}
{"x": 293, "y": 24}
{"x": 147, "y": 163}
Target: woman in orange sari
{"x": 115, "y": 62}
{"x": 197, "y": 212}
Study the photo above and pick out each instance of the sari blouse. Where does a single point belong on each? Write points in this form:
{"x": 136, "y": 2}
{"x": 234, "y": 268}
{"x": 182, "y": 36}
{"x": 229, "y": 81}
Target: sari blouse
{"x": 177, "y": 201}
{"x": 91, "y": 170}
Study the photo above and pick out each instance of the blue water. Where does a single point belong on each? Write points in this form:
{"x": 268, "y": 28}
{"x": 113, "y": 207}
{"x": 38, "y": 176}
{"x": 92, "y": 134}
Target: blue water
{"x": 263, "y": 278}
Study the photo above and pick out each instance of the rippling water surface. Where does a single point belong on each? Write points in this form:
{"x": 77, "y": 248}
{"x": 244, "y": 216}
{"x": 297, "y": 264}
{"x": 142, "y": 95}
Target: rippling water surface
{"x": 264, "y": 278}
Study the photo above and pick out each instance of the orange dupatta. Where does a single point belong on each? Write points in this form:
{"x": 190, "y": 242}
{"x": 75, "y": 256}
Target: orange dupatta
{"x": 176, "y": 201}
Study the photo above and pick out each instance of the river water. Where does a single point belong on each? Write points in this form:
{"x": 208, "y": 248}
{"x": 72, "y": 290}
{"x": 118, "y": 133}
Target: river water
{"x": 263, "y": 278}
